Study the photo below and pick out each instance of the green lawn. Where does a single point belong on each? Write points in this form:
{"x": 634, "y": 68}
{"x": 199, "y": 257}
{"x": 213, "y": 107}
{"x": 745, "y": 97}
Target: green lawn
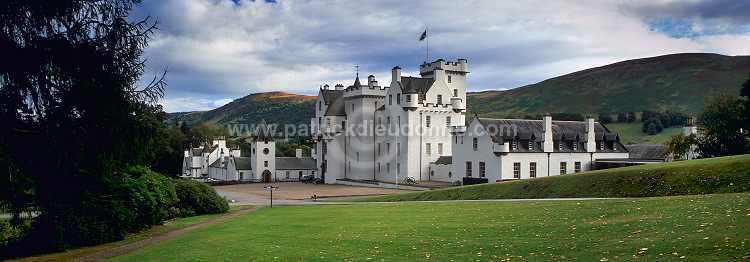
{"x": 698, "y": 227}
{"x": 168, "y": 226}
{"x": 703, "y": 176}
{"x": 631, "y": 133}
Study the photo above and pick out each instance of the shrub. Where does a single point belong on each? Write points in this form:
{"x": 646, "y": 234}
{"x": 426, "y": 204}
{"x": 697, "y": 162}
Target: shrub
{"x": 658, "y": 127}
{"x": 197, "y": 198}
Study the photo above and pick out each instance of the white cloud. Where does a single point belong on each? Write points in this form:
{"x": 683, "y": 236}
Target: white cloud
{"x": 216, "y": 49}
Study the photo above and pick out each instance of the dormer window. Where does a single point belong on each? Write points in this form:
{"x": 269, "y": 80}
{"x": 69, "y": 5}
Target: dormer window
{"x": 515, "y": 145}
{"x": 601, "y": 145}
{"x": 560, "y": 145}
{"x": 531, "y": 145}
{"x": 575, "y": 145}
{"x": 614, "y": 145}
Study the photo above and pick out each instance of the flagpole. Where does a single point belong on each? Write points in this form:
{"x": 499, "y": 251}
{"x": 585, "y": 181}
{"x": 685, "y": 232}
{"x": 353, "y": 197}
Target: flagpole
{"x": 427, "y": 51}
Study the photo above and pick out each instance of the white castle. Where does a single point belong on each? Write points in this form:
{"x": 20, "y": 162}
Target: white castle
{"x": 415, "y": 128}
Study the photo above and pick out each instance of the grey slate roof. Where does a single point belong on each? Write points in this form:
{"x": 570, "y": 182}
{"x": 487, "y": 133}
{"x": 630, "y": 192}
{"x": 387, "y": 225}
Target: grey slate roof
{"x": 570, "y": 131}
{"x": 216, "y": 163}
{"x": 196, "y": 151}
{"x": 444, "y": 160}
{"x": 336, "y": 108}
{"x": 262, "y": 133}
{"x": 293, "y": 163}
{"x": 647, "y": 151}
{"x": 415, "y": 85}
{"x": 242, "y": 163}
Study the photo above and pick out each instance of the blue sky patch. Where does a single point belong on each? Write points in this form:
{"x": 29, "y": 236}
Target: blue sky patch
{"x": 675, "y": 28}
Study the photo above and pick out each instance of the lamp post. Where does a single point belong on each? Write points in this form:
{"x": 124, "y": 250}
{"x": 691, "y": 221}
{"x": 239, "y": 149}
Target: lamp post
{"x": 271, "y": 188}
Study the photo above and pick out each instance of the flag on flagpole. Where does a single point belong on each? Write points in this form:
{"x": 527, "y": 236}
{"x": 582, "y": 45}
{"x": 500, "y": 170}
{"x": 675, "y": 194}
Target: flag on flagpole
{"x": 424, "y": 35}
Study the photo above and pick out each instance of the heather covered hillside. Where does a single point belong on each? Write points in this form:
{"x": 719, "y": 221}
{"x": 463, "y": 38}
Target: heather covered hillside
{"x": 680, "y": 82}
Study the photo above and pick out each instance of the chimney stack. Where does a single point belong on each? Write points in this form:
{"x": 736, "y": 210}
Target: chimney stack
{"x": 298, "y": 152}
{"x": 548, "y": 143}
{"x": 590, "y": 135}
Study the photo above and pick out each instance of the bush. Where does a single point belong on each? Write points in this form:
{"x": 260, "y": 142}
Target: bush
{"x": 658, "y": 127}
{"x": 197, "y": 198}
{"x": 605, "y": 118}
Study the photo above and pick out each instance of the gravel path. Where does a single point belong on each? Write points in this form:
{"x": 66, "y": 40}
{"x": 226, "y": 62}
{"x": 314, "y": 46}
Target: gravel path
{"x": 116, "y": 251}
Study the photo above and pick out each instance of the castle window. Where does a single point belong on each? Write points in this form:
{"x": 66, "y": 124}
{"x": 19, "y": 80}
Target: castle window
{"x": 357, "y": 156}
{"x": 387, "y": 167}
{"x": 515, "y": 145}
{"x": 398, "y": 149}
{"x": 287, "y": 173}
{"x": 455, "y": 92}
{"x": 614, "y": 145}
{"x": 575, "y": 145}
{"x": 427, "y": 149}
{"x": 532, "y": 169}
{"x": 448, "y": 121}
{"x": 398, "y": 168}
{"x": 265, "y": 163}
{"x": 388, "y": 149}
{"x": 559, "y": 145}
{"x": 468, "y": 168}
{"x": 399, "y": 120}
{"x": 577, "y": 167}
{"x": 563, "y": 168}
{"x": 320, "y": 105}
{"x": 388, "y": 122}
{"x": 328, "y": 122}
{"x": 378, "y": 167}
{"x": 390, "y": 99}
{"x": 481, "y": 169}
{"x": 517, "y": 170}
{"x": 378, "y": 148}
{"x": 475, "y": 144}
{"x": 343, "y": 125}
{"x": 601, "y": 145}
{"x": 531, "y": 145}
{"x": 427, "y": 121}
{"x": 449, "y": 79}
{"x": 408, "y": 98}
{"x": 325, "y": 148}
{"x": 439, "y": 99}
{"x": 440, "y": 149}
{"x": 398, "y": 98}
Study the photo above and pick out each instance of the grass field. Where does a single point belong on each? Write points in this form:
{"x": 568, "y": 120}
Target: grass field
{"x": 703, "y": 176}
{"x": 169, "y": 226}
{"x": 698, "y": 228}
{"x": 631, "y": 133}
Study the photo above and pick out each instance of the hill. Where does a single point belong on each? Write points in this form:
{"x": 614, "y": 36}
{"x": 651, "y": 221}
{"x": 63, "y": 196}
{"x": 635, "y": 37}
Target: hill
{"x": 680, "y": 82}
{"x": 703, "y": 176}
{"x": 275, "y": 107}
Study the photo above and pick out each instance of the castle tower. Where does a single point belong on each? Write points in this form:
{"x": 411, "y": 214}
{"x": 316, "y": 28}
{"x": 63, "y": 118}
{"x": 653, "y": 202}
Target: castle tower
{"x": 263, "y": 155}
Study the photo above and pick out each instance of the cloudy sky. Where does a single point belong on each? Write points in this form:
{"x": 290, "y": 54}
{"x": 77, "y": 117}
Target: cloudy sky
{"x": 219, "y": 50}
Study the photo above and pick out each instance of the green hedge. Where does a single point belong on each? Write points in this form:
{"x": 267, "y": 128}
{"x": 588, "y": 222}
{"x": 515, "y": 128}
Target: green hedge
{"x": 125, "y": 202}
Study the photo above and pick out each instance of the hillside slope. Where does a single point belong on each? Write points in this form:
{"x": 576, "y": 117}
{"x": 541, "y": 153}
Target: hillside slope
{"x": 703, "y": 176}
{"x": 275, "y": 107}
{"x": 680, "y": 82}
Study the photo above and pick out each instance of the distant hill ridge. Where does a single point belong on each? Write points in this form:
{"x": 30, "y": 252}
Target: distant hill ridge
{"x": 680, "y": 82}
